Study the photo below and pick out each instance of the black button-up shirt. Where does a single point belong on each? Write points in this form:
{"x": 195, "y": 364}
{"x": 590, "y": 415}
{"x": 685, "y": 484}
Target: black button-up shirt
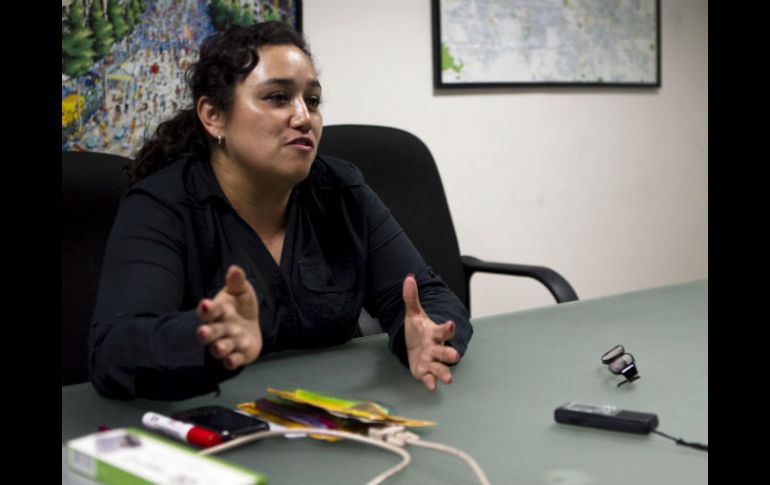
{"x": 175, "y": 236}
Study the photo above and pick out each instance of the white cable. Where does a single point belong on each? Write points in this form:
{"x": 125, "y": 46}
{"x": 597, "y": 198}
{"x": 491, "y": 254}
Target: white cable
{"x": 398, "y": 436}
{"x": 406, "y": 458}
{"x": 391, "y": 438}
{"x": 455, "y": 452}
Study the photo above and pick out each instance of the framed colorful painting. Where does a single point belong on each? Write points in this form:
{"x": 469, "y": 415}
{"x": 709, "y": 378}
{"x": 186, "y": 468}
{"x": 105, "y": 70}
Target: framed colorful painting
{"x": 124, "y": 61}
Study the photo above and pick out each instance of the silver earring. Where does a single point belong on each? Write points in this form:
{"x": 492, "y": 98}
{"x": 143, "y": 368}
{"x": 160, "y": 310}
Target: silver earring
{"x": 219, "y": 139}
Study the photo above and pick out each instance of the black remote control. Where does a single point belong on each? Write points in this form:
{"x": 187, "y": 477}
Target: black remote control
{"x": 606, "y": 417}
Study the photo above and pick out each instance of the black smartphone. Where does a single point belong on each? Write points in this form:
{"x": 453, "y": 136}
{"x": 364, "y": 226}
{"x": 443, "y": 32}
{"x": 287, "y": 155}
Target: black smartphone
{"x": 227, "y": 422}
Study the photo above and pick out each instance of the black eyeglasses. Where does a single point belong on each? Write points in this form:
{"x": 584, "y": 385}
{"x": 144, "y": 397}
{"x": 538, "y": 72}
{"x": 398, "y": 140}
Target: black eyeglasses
{"x": 621, "y": 363}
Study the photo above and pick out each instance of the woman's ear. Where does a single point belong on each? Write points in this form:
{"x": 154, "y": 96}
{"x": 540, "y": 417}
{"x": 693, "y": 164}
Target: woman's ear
{"x": 211, "y": 117}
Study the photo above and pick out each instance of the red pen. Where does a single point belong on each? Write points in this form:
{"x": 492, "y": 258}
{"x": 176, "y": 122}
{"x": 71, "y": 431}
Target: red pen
{"x": 186, "y": 432}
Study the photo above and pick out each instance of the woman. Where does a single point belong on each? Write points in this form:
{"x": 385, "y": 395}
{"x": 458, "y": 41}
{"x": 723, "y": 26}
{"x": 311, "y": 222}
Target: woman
{"x": 236, "y": 240}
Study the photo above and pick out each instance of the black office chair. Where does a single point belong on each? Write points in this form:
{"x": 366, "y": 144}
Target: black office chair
{"x": 400, "y": 169}
{"x": 92, "y": 185}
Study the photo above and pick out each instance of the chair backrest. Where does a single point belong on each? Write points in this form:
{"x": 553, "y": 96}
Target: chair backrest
{"x": 400, "y": 169}
{"x": 92, "y": 186}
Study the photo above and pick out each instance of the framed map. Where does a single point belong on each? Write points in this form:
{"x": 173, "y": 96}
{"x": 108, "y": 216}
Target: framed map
{"x": 480, "y": 43}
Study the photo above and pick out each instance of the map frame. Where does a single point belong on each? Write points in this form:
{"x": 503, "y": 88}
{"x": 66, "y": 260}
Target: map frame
{"x": 442, "y": 57}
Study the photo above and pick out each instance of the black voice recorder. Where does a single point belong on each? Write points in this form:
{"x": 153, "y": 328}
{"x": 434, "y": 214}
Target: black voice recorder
{"x": 606, "y": 417}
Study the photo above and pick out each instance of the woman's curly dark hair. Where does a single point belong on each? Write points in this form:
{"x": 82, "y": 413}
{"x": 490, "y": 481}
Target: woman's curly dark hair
{"x": 225, "y": 58}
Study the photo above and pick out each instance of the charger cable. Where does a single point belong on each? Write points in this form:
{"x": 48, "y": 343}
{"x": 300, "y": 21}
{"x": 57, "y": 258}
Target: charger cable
{"x": 406, "y": 458}
{"x": 391, "y": 438}
{"x": 398, "y": 436}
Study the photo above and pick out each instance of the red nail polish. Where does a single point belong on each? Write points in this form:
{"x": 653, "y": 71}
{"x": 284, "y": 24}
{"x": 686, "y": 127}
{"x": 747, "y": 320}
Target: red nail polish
{"x": 205, "y": 308}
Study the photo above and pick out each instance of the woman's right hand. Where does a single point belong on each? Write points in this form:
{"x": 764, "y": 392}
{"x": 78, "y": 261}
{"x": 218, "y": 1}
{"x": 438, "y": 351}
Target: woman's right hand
{"x": 230, "y": 326}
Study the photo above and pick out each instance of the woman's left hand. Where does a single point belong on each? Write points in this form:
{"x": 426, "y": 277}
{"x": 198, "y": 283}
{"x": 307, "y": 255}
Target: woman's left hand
{"x": 428, "y": 356}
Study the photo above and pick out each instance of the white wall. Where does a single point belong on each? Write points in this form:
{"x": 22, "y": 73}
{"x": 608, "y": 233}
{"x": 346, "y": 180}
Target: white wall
{"x": 607, "y": 186}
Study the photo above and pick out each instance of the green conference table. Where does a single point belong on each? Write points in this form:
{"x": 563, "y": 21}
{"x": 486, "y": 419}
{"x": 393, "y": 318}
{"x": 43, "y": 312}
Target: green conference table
{"x": 499, "y": 409}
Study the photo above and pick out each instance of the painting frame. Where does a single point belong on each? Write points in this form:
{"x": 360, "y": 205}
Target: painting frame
{"x": 124, "y": 62}
{"x": 443, "y": 60}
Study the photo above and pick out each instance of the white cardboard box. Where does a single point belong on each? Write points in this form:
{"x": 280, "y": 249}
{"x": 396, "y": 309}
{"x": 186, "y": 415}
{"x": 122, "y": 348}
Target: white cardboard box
{"x": 131, "y": 456}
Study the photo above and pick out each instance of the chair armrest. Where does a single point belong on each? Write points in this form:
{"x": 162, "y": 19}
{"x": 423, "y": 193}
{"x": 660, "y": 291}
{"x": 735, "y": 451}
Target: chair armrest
{"x": 556, "y": 283}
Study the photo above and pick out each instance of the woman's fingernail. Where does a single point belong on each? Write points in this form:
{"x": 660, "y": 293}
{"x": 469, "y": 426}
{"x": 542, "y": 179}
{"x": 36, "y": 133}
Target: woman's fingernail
{"x": 205, "y": 307}
{"x": 410, "y": 274}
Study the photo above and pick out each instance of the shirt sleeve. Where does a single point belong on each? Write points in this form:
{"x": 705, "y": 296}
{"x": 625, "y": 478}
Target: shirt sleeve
{"x": 391, "y": 256}
{"x": 142, "y": 342}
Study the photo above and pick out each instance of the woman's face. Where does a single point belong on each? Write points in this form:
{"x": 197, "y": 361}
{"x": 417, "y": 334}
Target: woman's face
{"x": 275, "y": 122}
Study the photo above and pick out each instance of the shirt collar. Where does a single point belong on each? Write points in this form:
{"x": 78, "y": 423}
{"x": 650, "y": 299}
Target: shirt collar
{"x": 201, "y": 183}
